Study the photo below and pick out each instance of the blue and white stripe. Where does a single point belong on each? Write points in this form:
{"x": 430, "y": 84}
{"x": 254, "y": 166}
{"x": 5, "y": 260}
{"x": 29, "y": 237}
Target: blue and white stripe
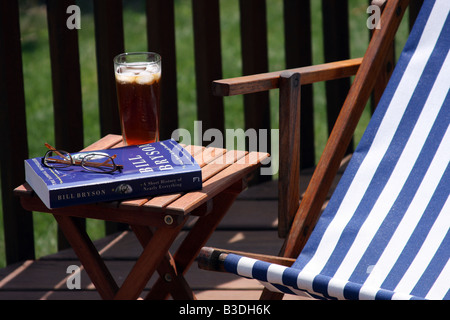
{"x": 385, "y": 232}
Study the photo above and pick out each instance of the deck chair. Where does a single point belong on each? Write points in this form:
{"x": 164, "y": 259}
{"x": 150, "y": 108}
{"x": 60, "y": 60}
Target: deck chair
{"x": 385, "y": 231}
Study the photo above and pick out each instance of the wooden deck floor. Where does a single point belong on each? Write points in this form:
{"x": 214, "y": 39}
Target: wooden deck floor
{"x": 250, "y": 225}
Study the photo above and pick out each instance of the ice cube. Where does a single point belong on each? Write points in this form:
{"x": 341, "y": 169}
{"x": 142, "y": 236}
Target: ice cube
{"x": 144, "y": 77}
{"x": 125, "y": 77}
{"x": 135, "y": 67}
{"x": 152, "y": 68}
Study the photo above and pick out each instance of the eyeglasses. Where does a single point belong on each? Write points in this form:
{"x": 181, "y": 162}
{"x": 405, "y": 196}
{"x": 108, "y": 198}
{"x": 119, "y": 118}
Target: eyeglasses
{"x": 94, "y": 162}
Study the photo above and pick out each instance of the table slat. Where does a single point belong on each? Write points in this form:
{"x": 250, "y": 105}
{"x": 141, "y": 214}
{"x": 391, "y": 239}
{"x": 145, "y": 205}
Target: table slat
{"x": 217, "y": 183}
{"x": 201, "y": 154}
{"x": 159, "y": 203}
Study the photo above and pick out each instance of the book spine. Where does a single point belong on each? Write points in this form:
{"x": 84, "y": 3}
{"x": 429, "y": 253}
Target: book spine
{"x": 150, "y": 186}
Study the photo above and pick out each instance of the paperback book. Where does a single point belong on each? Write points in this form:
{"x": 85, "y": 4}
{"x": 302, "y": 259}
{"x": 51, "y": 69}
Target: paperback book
{"x": 145, "y": 170}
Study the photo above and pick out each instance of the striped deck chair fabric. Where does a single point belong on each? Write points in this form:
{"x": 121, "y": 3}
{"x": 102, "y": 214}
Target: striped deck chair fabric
{"x": 385, "y": 232}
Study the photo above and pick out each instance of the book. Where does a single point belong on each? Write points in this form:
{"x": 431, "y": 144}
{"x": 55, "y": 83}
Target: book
{"x": 149, "y": 169}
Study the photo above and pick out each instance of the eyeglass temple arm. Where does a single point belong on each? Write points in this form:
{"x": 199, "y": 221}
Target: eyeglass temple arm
{"x": 113, "y": 157}
{"x": 91, "y": 164}
{"x": 56, "y": 151}
{"x": 94, "y": 164}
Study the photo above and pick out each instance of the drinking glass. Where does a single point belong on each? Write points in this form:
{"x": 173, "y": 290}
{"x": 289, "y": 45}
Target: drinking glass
{"x": 138, "y": 78}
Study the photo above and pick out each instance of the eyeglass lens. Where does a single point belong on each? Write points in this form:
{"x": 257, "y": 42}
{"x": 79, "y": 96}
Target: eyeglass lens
{"x": 98, "y": 163}
{"x": 57, "y": 159}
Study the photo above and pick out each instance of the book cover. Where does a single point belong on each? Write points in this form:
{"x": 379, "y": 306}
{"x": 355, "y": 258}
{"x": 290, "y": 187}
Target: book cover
{"x": 149, "y": 169}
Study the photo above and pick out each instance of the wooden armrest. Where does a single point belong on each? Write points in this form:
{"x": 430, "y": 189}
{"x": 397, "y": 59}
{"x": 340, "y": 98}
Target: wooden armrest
{"x": 268, "y": 81}
{"x": 212, "y": 259}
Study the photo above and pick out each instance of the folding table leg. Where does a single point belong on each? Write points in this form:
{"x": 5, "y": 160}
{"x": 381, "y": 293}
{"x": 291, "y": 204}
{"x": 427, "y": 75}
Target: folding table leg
{"x": 148, "y": 262}
{"x": 194, "y": 241}
{"x": 167, "y": 269}
{"x": 89, "y": 256}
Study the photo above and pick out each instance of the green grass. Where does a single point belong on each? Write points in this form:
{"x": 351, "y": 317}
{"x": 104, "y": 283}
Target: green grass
{"x": 37, "y": 77}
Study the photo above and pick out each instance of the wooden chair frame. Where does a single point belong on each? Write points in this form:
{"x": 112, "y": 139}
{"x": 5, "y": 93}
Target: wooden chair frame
{"x": 302, "y": 217}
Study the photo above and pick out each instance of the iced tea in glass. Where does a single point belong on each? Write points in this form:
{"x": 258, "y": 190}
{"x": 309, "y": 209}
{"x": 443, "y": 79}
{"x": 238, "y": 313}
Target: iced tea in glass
{"x": 138, "y": 78}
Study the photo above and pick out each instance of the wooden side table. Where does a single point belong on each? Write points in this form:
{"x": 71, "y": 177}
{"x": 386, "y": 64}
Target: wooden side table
{"x": 156, "y": 222}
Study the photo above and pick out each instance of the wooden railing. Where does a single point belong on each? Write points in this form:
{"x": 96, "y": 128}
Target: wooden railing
{"x": 109, "y": 35}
